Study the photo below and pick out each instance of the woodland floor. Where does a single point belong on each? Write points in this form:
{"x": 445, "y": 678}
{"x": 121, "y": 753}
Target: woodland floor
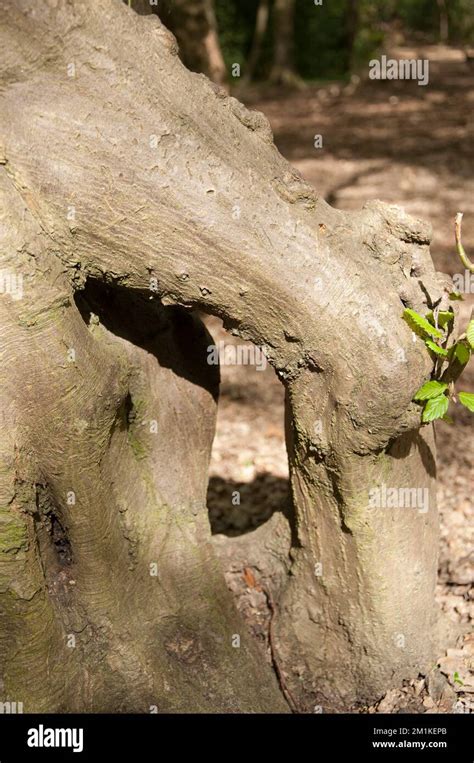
{"x": 408, "y": 145}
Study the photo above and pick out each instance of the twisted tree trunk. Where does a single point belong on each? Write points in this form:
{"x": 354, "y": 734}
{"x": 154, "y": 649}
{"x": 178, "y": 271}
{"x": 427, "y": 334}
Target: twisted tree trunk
{"x": 133, "y": 190}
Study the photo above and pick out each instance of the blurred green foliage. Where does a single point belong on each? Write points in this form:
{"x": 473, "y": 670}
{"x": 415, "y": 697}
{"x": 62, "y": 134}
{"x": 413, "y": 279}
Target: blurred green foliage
{"x": 321, "y": 32}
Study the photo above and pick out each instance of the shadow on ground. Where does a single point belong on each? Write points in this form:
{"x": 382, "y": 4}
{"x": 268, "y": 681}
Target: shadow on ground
{"x": 236, "y": 508}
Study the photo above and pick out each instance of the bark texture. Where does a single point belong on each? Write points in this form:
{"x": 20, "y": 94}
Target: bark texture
{"x": 133, "y": 190}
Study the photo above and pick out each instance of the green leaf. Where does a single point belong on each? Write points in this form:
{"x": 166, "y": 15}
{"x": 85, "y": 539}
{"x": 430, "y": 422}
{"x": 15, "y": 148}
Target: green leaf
{"x": 430, "y": 390}
{"x": 435, "y": 408}
{"x": 436, "y": 348}
{"x": 447, "y": 419}
{"x": 454, "y": 295}
{"x": 462, "y": 352}
{"x": 419, "y": 324}
{"x": 470, "y": 333}
{"x": 444, "y": 317}
{"x": 467, "y": 399}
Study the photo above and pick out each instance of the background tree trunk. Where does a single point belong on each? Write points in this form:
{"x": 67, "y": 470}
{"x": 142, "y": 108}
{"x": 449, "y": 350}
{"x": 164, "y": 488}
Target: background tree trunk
{"x": 194, "y": 24}
{"x": 134, "y": 190}
{"x": 352, "y": 25}
{"x": 283, "y": 69}
{"x": 144, "y": 7}
{"x": 443, "y": 21}
{"x": 261, "y": 25}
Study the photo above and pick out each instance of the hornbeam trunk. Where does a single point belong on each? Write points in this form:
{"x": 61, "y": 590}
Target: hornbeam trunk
{"x": 134, "y": 192}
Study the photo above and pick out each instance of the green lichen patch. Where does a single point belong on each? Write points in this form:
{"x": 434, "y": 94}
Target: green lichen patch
{"x": 139, "y": 449}
{"x": 13, "y": 532}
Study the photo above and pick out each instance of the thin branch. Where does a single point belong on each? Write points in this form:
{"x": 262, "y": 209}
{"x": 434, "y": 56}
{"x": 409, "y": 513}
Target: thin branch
{"x": 460, "y": 249}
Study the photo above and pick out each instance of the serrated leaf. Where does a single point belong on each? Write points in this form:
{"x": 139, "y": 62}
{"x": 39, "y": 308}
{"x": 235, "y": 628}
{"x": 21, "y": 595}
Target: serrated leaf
{"x": 444, "y": 317}
{"x": 467, "y": 399}
{"x": 436, "y": 348}
{"x": 430, "y": 390}
{"x": 419, "y": 324}
{"x": 462, "y": 353}
{"x": 470, "y": 333}
{"x": 435, "y": 408}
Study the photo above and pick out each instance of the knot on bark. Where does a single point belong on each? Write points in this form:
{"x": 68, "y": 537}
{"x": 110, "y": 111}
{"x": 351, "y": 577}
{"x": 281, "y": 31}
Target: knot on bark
{"x": 253, "y": 120}
{"x": 402, "y": 225}
{"x": 294, "y": 189}
{"x": 396, "y": 238}
{"x": 166, "y": 38}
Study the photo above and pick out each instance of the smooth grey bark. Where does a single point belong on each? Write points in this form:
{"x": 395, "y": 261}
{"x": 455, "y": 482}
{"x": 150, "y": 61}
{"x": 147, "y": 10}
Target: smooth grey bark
{"x": 134, "y": 190}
